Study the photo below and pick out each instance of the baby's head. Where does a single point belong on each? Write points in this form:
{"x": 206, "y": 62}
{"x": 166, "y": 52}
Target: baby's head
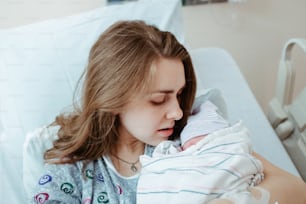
{"x": 205, "y": 119}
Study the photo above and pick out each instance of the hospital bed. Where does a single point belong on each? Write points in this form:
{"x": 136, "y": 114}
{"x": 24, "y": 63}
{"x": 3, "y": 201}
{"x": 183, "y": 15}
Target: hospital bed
{"x": 41, "y": 63}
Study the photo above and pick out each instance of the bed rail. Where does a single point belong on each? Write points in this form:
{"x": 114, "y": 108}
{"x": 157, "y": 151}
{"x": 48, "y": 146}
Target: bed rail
{"x": 287, "y": 116}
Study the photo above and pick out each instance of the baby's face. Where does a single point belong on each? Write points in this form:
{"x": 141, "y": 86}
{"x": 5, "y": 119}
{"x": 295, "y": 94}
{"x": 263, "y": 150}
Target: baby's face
{"x": 192, "y": 141}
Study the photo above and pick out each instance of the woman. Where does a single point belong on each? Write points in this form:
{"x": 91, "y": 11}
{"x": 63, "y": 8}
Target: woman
{"x": 138, "y": 91}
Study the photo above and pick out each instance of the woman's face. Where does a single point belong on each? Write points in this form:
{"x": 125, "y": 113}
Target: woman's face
{"x": 151, "y": 118}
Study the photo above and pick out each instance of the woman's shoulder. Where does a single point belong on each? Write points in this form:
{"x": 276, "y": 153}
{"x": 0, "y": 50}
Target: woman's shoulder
{"x": 44, "y": 134}
{"x": 36, "y": 143}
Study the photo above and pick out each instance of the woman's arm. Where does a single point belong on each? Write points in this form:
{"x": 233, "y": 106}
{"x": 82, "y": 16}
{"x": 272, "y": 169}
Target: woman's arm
{"x": 283, "y": 187}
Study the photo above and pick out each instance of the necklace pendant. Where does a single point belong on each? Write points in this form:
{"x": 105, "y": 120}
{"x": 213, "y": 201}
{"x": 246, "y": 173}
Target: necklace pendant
{"x": 134, "y": 168}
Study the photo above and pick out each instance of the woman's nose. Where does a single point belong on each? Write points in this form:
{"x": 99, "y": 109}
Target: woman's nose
{"x": 175, "y": 112}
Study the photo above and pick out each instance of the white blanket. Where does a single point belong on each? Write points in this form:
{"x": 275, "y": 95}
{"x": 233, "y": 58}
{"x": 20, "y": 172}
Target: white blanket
{"x": 220, "y": 165}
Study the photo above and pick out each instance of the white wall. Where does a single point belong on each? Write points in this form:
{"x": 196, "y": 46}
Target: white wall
{"x": 21, "y": 12}
{"x": 254, "y": 32}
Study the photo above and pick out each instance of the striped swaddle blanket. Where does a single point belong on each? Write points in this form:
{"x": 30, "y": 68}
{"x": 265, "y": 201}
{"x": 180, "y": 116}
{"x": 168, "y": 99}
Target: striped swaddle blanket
{"x": 220, "y": 164}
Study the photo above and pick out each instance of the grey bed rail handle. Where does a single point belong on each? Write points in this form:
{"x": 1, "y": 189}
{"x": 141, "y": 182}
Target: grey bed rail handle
{"x": 277, "y": 113}
{"x": 286, "y": 74}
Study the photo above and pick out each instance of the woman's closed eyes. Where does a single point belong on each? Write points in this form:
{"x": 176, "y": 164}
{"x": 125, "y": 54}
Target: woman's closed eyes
{"x": 159, "y": 99}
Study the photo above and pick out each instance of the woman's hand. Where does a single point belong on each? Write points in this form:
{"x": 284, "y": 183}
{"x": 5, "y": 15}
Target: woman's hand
{"x": 284, "y": 187}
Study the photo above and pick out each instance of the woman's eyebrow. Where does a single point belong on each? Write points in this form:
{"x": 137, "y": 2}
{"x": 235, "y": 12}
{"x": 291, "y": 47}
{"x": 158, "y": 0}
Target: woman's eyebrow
{"x": 163, "y": 91}
{"x": 168, "y": 91}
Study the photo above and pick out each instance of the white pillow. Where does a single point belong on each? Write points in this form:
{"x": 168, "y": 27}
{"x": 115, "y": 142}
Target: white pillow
{"x": 40, "y": 63}
{"x": 39, "y": 67}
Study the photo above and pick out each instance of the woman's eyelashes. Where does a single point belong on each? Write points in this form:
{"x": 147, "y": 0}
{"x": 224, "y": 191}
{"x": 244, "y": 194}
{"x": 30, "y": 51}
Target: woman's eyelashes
{"x": 158, "y": 100}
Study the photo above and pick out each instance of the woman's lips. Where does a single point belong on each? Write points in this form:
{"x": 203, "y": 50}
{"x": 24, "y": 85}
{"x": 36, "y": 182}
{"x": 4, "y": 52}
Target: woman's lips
{"x": 167, "y": 132}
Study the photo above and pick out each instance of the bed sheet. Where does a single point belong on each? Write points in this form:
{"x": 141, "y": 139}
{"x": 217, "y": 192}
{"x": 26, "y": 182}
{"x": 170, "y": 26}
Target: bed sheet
{"x": 215, "y": 67}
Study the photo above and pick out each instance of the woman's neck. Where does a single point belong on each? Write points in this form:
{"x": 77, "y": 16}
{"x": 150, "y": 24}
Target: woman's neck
{"x": 125, "y": 157}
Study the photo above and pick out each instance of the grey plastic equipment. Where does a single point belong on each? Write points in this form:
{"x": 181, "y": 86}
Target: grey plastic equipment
{"x": 287, "y": 116}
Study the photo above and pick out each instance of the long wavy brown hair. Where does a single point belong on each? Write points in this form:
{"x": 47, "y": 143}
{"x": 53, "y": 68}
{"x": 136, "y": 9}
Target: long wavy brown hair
{"x": 119, "y": 67}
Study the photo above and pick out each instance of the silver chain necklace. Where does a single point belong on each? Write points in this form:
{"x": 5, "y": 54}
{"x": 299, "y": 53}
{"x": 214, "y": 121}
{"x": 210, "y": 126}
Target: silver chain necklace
{"x": 133, "y": 166}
